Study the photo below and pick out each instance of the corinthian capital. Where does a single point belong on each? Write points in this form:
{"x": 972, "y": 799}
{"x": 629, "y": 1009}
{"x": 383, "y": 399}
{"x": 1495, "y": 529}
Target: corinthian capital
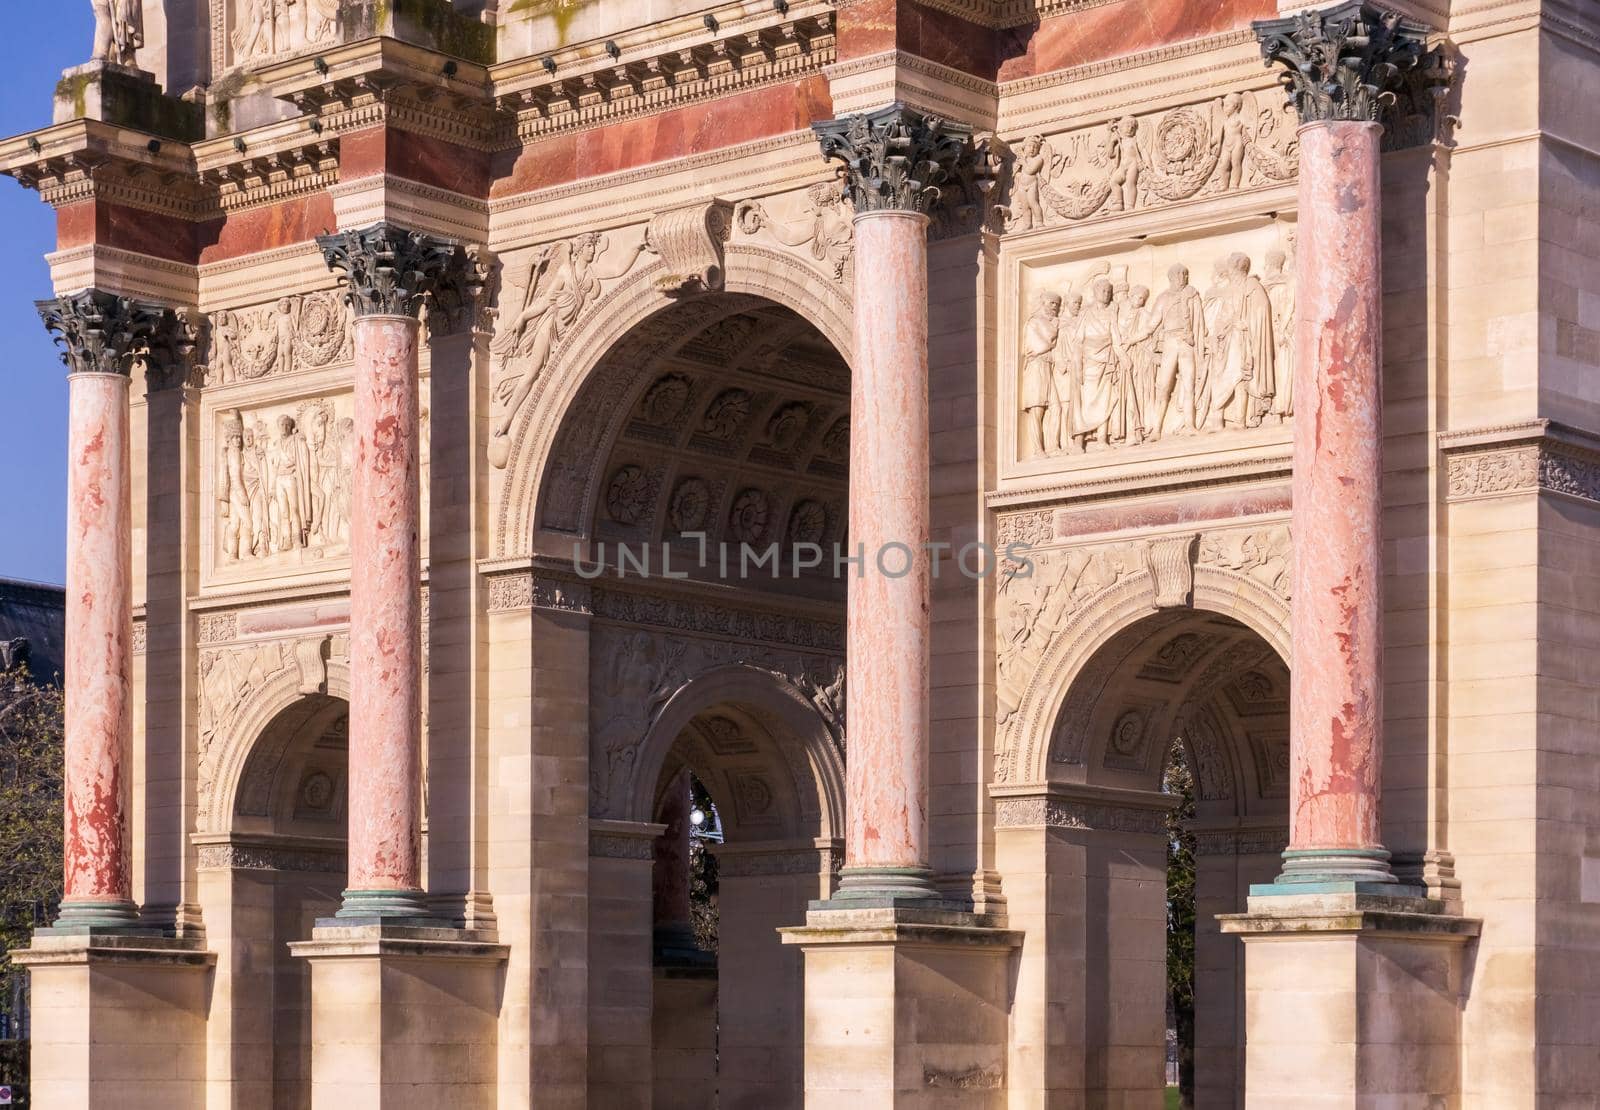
{"x": 1341, "y": 63}
{"x": 387, "y": 270}
{"x": 895, "y": 159}
{"x": 100, "y": 332}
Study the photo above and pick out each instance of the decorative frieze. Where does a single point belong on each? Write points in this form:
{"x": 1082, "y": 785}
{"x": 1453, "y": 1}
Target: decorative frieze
{"x": 218, "y": 628}
{"x": 740, "y": 864}
{"x": 268, "y": 857}
{"x": 1547, "y": 466}
{"x": 525, "y": 590}
{"x": 1240, "y": 842}
{"x": 141, "y": 637}
{"x": 696, "y": 615}
{"x": 1236, "y": 141}
{"x": 1051, "y": 811}
{"x": 607, "y": 845}
{"x": 302, "y": 332}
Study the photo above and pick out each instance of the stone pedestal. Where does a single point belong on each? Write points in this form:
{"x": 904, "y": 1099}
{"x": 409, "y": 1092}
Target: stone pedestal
{"x": 402, "y": 1017}
{"x": 905, "y": 1008}
{"x": 1351, "y": 1000}
{"x": 127, "y": 97}
{"x": 118, "y": 1021}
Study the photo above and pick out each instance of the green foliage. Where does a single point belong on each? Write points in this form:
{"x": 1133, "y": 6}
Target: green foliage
{"x": 30, "y": 842}
{"x": 1178, "y": 782}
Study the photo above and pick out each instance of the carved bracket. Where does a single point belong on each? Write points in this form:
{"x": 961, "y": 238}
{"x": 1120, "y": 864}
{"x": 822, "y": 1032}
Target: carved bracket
{"x": 690, "y": 242}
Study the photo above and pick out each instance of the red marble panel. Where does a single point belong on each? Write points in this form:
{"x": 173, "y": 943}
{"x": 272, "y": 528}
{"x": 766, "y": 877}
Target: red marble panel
{"x": 1127, "y": 27}
{"x": 75, "y": 225}
{"x": 151, "y": 233}
{"x": 695, "y": 129}
{"x": 419, "y": 158}
{"x": 260, "y": 229}
{"x": 1194, "y": 508}
{"x": 441, "y": 164}
{"x": 874, "y": 26}
{"x": 362, "y": 153}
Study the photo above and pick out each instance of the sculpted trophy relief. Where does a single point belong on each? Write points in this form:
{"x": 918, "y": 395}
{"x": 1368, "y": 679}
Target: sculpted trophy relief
{"x": 1103, "y": 365}
{"x": 118, "y": 31}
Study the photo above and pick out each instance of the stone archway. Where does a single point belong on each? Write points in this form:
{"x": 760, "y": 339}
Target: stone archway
{"x": 710, "y": 420}
{"x": 574, "y": 411}
{"x": 276, "y": 866}
{"x": 1093, "y": 836}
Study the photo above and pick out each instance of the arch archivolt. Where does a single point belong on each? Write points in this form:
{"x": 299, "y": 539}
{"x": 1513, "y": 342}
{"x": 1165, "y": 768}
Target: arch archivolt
{"x": 244, "y": 688}
{"x": 769, "y": 718}
{"x": 556, "y": 433}
{"x": 1052, "y": 624}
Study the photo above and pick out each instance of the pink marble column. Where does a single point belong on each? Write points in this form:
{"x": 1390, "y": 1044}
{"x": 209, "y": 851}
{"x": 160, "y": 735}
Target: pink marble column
{"x": 99, "y": 655}
{"x": 100, "y": 334}
{"x": 889, "y": 621}
{"x": 898, "y": 165}
{"x": 1337, "y": 66}
{"x": 1336, "y": 700}
{"x": 389, "y": 273}
{"x": 385, "y": 876}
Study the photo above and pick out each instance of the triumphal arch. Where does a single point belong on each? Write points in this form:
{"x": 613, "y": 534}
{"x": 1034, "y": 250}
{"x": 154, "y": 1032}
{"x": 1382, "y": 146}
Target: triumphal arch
{"x": 504, "y": 434}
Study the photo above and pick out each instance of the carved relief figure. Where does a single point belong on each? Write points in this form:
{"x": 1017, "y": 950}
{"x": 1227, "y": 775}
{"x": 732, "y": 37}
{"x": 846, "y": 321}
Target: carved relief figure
{"x": 264, "y": 28}
{"x": 1280, "y": 293}
{"x": 1232, "y": 139}
{"x": 1038, "y": 377}
{"x": 118, "y": 31}
{"x": 283, "y": 481}
{"x": 1126, "y": 371}
{"x": 290, "y": 467}
{"x": 1180, "y": 338}
{"x": 1127, "y": 162}
{"x": 224, "y": 342}
{"x": 1035, "y": 163}
{"x": 1244, "y": 351}
{"x": 233, "y": 501}
{"x": 826, "y": 227}
{"x": 561, "y": 281}
{"x": 1096, "y": 406}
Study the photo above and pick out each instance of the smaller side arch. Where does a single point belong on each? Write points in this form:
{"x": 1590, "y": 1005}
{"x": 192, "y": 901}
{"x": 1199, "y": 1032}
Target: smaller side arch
{"x": 1024, "y": 759}
{"x": 768, "y": 696}
{"x": 222, "y": 763}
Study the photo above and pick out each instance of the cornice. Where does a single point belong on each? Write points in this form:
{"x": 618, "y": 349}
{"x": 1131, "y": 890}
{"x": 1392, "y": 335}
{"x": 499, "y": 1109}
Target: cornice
{"x": 590, "y": 93}
{"x": 1179, "y": 475}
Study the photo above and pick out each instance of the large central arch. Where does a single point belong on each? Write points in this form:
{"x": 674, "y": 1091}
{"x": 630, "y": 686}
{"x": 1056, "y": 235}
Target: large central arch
{"x": 592, "y": 379}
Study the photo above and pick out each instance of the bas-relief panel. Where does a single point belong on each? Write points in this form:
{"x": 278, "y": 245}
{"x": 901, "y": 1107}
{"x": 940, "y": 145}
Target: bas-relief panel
{"x": 280, "y": 485}
{"x": 303, "y": 332}
{"x": 248, "y": 32}
{"x": 1159, "y": 340}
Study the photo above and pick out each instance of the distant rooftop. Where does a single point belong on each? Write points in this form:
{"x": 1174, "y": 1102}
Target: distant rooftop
{"x": 33, "y": 613}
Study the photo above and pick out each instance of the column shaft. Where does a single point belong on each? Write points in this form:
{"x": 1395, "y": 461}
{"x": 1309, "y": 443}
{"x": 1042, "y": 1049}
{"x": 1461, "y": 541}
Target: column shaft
{"x": 1336, "y": 699}
{"x": 886, "y": 836}
{"x": 385, "y": 624}
{"x": 99, "y": 655}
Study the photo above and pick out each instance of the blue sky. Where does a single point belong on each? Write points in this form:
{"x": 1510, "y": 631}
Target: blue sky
{"x": 41, "y": 40}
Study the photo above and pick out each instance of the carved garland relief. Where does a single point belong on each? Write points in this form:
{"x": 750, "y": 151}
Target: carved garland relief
{"x": 304, "y": 332}
{"x": 1237, "y": 141}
